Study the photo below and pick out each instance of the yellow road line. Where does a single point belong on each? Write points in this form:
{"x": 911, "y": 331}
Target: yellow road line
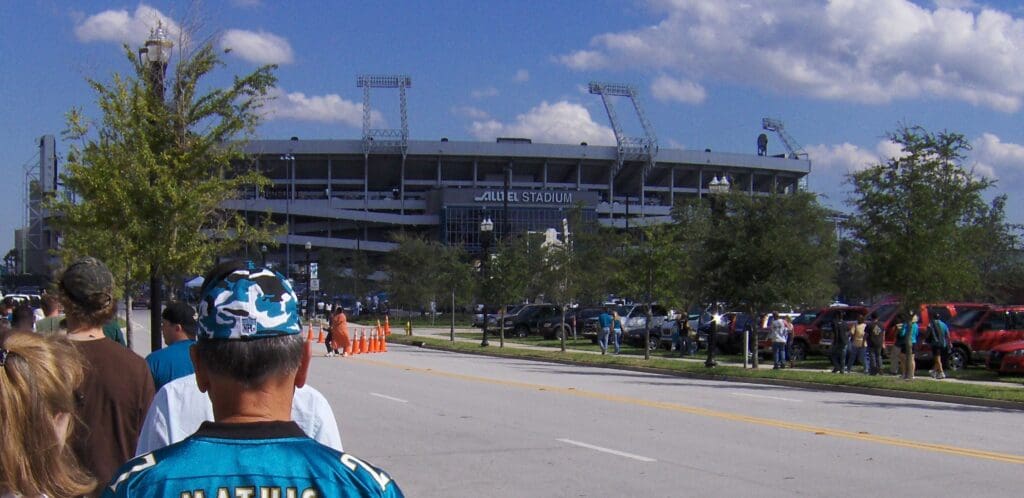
{"x": 661, "y": 405}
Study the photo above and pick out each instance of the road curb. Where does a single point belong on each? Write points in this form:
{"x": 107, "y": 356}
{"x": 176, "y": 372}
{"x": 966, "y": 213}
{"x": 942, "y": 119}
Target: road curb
{"x": 889, "y": 393}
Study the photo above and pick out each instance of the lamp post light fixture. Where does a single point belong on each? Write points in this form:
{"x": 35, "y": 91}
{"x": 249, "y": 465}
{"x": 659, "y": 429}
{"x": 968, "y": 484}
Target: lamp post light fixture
{"x": 716, "y": 187}
{"x": 486, "y": 232}
{"x": 156, "y": 53}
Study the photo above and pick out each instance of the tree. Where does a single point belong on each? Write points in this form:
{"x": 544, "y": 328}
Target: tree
{"x": 421, "y": 271}
{"x": 144, "y": 185}
{"x": 918, "y": 217}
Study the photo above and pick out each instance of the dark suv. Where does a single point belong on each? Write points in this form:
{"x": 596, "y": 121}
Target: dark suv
{"x": 528, "y": 318}
{"x": 575, "y": 322}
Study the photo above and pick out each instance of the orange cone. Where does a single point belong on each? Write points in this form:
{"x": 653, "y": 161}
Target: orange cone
{"x": 353, "y": 343}
{"x": 309, "y": 334}
{"x": 320, "y": 337}
{"x": 387, "y": 326}
{"x": 363, "y": 347}
{"x": 384, "y": 344}
{"x": 375, "y": 338}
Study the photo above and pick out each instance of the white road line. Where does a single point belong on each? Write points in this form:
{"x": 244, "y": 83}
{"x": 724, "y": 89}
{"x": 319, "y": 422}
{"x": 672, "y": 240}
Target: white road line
{"x": 388, "y": 397}
{"x": 609, "y": 450}
{"x": 767, "y": 397}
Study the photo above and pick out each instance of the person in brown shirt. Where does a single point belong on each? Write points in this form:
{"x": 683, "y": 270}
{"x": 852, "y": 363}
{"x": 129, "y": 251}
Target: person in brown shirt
{"x": 117, "y": 388}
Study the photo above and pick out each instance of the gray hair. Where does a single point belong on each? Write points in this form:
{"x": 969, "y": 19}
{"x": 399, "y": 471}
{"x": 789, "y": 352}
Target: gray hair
{"x": 252, "y": 361}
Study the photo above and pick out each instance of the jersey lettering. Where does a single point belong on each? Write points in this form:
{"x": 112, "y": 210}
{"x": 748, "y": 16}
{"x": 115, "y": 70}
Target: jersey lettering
{"x": 266, "y": 492}
{"x": 309, "y": 493}
{"x": 351, "y": 462}
{"x": 245, "y": 492}
{"x": 147, "y": 461}
{"x": 193, "y": 494}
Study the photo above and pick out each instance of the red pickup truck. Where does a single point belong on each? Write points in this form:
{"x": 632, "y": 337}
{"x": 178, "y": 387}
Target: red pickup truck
{"x": 811, "y": 326}
{"x": 976, "y": 332}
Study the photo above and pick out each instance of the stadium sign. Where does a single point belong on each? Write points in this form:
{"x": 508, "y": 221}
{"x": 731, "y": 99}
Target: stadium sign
{"x": 526, "y": 196}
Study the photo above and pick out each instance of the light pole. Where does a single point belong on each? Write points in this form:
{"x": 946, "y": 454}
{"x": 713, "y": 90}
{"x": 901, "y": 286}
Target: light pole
{"x": 290, "y": 159}
{"x": 156, "y": 53}
{"x": 309, "y": 281}
{"x": 263, "y": 255}
{"x": 486, "y": 232}
{"x": 717, "y": 187}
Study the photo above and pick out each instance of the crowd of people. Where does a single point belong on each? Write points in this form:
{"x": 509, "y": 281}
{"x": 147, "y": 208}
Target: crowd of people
{"x": 223, "y": 410}
{"x": 863, "y": 342}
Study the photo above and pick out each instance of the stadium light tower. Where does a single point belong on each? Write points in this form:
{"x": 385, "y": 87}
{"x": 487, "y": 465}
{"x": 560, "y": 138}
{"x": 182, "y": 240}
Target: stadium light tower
{"x": 630, "y": 148}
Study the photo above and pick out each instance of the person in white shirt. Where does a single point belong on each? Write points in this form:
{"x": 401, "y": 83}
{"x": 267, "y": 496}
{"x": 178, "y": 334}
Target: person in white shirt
{"x": 179, "y": 408}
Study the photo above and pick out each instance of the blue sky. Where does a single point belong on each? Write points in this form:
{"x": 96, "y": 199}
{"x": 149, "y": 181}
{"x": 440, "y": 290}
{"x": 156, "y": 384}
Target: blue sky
{"x": 839, "y": 74}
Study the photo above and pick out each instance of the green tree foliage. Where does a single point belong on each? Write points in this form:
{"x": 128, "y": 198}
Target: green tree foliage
{"x": 921, "y": 223}
{"x": 766, "y": 251}
{"x": 144, "y": 183}
{"x": 421, "y": 271}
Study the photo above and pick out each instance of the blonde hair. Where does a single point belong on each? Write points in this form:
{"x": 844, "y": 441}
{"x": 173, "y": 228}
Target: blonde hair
{"x": 37, "y": 383}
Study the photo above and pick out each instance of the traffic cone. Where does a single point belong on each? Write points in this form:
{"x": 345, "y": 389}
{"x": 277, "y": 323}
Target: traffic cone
{"x": 383, "y": 344}
{"x": 354, "y": 343}
{"x": 387, "y": 326}
{"x": 375, "y": 338}
{"x": 320, "y": 337}
{"x": 363, "y": 346}
{"x": 309, "y": 334}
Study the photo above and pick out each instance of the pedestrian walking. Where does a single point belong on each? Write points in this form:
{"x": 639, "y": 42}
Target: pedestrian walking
{"x": 617, "y": 330}
{"x": 779, "y": 338}
{"x": 604, "y": 328}
{"x": 178, "y": 328}
{"x": 38, "y": 378}
{"x": 118, "y": 386}
{"x": 840, "y": 341}
{"x": 858, "y": 343}
{"x": 906, "y": 339}
{"x": 938, "y": 337}
{"x": 875, "y": 339}
{"x": 339, "y": 333}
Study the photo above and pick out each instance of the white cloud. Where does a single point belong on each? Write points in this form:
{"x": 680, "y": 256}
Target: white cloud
{"x": 258, "y": 47}
{"x": 666, "y": 88}
{"x": 522, "y": 76}
{"x": 120, "y": 26}
{"x": 863, "y": 51}
{"x": 562, "y": 122}
{"x": 470, "y": 112}
{"x": 995, "y": 159}
{"x": 331, "y": 108}
{"x": 482, "y": 93}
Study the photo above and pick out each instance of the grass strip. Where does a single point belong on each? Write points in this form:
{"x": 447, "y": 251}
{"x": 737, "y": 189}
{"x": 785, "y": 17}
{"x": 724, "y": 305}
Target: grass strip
{"x": 1011, "y": 394}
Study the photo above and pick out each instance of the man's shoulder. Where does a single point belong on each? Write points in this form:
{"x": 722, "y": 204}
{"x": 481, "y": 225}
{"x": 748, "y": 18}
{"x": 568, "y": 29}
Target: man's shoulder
{"x": 300, "y": 462}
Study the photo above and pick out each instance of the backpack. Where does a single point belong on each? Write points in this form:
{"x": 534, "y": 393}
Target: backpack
{"x": 876, "y": 334}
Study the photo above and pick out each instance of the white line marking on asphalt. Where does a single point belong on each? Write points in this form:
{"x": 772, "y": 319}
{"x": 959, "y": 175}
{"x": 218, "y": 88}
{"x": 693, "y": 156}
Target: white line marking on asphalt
{"x": 400, "y": 400}
{"x": 608, "y": 450}
{"x": 767, "y": 397}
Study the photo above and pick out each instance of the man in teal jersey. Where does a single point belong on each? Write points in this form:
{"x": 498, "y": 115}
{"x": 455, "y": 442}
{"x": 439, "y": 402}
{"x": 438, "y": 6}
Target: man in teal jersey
{"x": 249, "y": 357}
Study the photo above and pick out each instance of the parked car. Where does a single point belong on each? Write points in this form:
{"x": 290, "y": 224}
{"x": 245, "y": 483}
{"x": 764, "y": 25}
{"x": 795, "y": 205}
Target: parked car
{"x": 575, "y": 319}
{"x": 1006, "y": 358}
{"x": 963, "y": 320}
{"x": 634, "y": 321}
{"x": 977, "y": 332}
{"x": 141, "y": 301}
{"x": 670, "y": 326}
{"x": 495, "y": 314}
{"x": 527, "y": 319}
{"x": 812, "y": 329}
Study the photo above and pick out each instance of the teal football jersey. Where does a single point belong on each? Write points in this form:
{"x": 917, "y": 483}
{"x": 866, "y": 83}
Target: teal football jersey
{"x": 257, "y": 460}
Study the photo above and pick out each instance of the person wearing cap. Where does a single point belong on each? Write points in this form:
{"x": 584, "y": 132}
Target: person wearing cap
{"x": 117, "y": 387}
{"x": 178, "y": 329}
{"x": 250, "y": 357}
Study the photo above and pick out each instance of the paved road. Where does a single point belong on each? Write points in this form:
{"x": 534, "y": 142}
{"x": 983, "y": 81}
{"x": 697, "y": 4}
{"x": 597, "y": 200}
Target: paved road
{"x": 450, "y": 425}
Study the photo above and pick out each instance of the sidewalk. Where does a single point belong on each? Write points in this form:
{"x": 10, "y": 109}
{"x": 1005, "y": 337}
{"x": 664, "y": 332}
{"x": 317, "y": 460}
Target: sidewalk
{"x": 445, "y": 333}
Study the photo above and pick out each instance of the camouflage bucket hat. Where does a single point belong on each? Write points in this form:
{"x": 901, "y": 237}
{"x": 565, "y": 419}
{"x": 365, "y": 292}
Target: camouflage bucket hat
{"x": 88, "y": 283}
{"x": 247, "y": 302}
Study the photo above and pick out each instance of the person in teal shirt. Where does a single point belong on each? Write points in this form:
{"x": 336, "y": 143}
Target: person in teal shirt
{"x": 178, "y": 328}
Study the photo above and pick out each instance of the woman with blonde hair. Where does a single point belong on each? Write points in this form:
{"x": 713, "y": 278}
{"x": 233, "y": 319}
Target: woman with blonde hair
{"x": 38, "y": 378}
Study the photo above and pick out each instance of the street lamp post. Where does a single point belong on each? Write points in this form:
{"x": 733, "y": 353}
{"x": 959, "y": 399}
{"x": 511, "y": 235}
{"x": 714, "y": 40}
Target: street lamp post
{"x": 290, "y": 159}
{"x": 486, "y": 232}
{"x": 156, "y": 53}
{"x": 309, "y": 281}
{"x": 717, "y": 187}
